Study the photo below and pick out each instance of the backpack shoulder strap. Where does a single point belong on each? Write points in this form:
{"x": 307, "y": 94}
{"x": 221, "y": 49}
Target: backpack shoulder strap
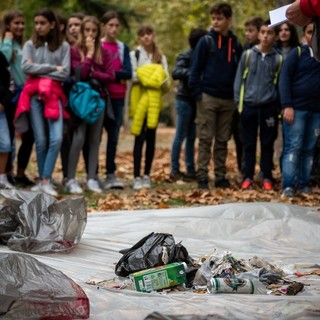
{"x": 244, "y": 76}
{"x": 279, "y": 61}
{"x": 137, "y": 54}
{"x": 209, "y": 42}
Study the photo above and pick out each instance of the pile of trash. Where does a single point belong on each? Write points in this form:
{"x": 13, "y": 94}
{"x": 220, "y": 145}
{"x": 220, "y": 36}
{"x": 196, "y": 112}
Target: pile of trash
{"x": 156, "y": 264}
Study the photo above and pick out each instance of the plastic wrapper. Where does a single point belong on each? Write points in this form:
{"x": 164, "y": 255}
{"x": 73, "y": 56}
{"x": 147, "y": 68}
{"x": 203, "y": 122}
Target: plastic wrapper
{"x": 37, "y": 222}
{"x": 32, "y": 290}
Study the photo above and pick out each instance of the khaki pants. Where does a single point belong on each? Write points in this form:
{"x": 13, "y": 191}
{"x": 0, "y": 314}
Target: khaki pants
{"x": 214, "y": 117}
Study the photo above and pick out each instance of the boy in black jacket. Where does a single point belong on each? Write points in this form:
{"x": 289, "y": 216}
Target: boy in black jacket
{"x": 212, "y": 72}
{"x": 185, "y": 112}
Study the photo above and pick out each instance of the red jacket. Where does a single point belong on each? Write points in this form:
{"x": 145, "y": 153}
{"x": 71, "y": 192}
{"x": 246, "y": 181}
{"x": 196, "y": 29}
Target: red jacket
{"x": 310, "y": 8}
{"x": 49, "y": 91}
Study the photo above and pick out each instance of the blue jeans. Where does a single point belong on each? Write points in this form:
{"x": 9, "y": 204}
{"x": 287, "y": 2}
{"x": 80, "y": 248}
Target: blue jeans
{"x": 5, "y": 140}
{"x": 185, "y": 129}
{"x": 299, "y": 141}
{"x": 113, "y": 130}
{"x": 47, "y": 136}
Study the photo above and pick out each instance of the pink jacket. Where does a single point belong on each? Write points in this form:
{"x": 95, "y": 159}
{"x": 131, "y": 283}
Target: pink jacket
{"x": 310, "y": 8}
{"x": 49, "y": 91}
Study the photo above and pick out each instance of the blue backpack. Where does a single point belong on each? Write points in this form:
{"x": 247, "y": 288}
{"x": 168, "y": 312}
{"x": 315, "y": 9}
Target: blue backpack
{"x": 85, "y": 102}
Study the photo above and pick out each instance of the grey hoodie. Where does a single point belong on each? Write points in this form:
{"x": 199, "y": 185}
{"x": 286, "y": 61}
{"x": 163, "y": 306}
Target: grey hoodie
{"x": 259, "y": 86}
{"x": 44, "y": 62}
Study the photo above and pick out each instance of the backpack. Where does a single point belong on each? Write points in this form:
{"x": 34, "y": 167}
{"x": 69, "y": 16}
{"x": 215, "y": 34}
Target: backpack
{"x": 246, "y": 70}
{"x": 84, "y": 101}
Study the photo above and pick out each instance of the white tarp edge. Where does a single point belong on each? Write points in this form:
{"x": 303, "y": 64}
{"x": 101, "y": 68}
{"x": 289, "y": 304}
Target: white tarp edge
{"x": 285, "y": 235}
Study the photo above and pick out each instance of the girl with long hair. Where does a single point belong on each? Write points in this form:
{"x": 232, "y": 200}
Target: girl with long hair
{"x": 148, "y": 64}
{"x": 46, "y": 61}
{"x": 95, "y": 63}
{"x": 117, "y": 90}
{"x": 11, "y": 47}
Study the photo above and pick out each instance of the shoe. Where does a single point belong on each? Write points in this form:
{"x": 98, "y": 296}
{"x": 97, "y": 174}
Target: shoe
{"x": 93, "y": 185}
{"x": 267, "y": 185}
{"x": 146, "y": 183}
{"x": 246, "y": 184}
{"x": 189, "y": 177}
{"x": 137, "y": 183}
{"x": 177, "y": 175}
{"x": 112, "y": 182}
{"x": 24, "y": 181}
{"x": 222, "y": 183}
{"x": 304, "y": 191}
{"x": 4, "y": 183}
{"x": 287, "y": 193}
{"x": 11, "y": 179}
{"x": 48, "y": 189}
{"x": 36, "y": 187}
{"x": 73, "y": 187}
{"x": 203, "y": 184}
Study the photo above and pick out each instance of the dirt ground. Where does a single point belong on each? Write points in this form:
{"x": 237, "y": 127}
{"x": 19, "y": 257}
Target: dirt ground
{"x": 166, "y": 193}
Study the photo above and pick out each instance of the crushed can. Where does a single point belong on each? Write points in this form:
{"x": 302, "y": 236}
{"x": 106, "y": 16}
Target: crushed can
{"x": 159, "y": 277}
{"x": 230, "y": 285}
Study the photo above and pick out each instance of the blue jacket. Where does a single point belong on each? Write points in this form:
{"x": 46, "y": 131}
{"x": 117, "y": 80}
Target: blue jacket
{"x": 213, "y": 69}
{"x": 299, "y": 83}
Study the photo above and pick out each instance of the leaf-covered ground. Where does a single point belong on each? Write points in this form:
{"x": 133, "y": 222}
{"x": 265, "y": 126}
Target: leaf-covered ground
{"x": 166, "y": 193}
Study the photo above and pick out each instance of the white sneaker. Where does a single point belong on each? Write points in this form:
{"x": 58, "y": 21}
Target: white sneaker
{"x": 93, "y": 185}
{"x": 48, "y": 189}
{"x": 146, "y": 183}
{"x": 137, "y": 183}
{"x": 4, "y": 183}
{"x": 112, "y": 182}
{"x": 36, "y": 187}
{"x": 73, "y": 187}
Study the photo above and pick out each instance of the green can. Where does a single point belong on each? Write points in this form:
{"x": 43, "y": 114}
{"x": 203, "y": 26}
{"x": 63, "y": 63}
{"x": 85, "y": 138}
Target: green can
{"x": 159, "y": 277}
{"x": 230, "y": 285}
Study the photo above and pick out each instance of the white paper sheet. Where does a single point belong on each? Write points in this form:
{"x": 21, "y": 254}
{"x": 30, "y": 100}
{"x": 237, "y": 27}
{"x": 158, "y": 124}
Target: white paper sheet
{"x": 278, "y": 16}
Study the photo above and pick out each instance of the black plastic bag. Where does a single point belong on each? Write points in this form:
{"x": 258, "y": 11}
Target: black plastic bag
{"x": 32, "y": 290}
{"x": 37, "y": 222}
{"x": 156, "y": 249}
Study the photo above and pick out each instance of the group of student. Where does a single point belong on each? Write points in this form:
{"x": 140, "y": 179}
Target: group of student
{"x": 244, "y": 91}
{"x": 224, "y": 89}
{"x": 38, "y": 76}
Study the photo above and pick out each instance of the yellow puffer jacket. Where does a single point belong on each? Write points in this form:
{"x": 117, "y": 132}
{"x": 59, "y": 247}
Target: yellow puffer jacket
{"x": 146, "y": 97}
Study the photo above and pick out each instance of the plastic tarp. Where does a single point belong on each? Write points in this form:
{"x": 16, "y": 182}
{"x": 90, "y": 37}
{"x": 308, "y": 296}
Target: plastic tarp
{"x": 285, "y": 235}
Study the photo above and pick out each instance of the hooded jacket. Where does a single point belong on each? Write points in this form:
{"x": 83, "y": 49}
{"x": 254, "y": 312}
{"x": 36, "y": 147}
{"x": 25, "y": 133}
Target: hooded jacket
{"x": 259, "y": 83}
{"x": 146, "y": 96}
{"x": 49, "y": 91}
{"x": 299, "y": 82}
{"x": 214, "y": 65}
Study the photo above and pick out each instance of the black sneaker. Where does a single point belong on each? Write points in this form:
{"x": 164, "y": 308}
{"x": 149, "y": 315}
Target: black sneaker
{"x": 24, "y": 181}
{"x": 203, "y": 184}
{"x": 189, "y": 177}
{"x": 177, "y": 176}
{"x": 222, "y": 183}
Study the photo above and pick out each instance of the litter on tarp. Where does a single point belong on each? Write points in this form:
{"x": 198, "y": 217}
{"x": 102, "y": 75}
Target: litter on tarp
{"x": 36, "y": 222}
{"x": 32, "y": 290}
